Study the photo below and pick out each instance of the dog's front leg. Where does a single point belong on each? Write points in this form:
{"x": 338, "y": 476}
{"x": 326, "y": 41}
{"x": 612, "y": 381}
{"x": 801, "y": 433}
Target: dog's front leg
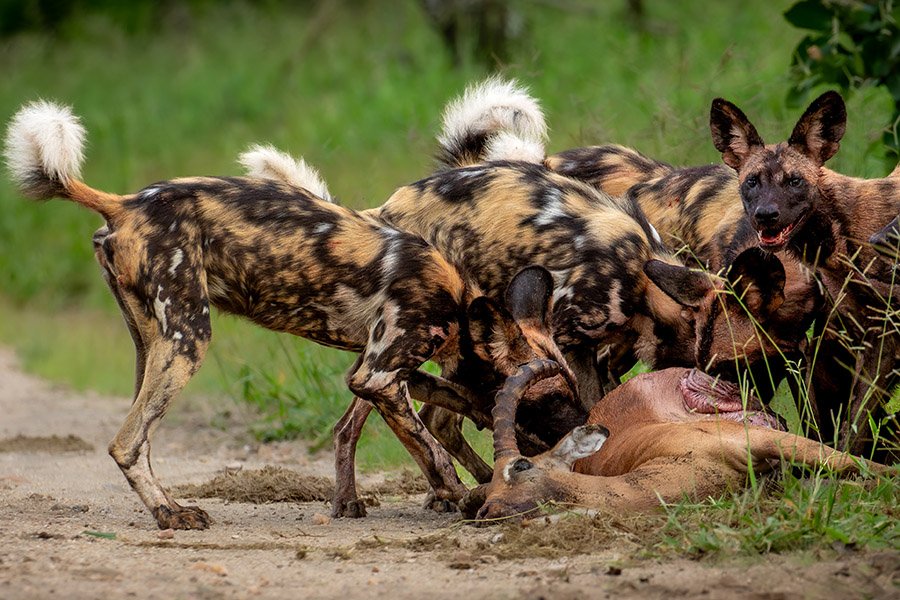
{"x": 393, "y": 403}
{"x": 446, "y": 427}
{"x": 872, "y": 369}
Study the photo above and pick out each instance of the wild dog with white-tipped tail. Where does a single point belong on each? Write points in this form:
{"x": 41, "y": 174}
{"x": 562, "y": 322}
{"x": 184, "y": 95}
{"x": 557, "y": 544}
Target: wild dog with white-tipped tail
{"x": 273, "y": 253}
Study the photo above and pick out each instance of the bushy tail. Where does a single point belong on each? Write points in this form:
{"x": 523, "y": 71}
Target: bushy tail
{"x": 44, "y": 150}
{"x": 267, "y": 162}
{"x": 493, "y": 120}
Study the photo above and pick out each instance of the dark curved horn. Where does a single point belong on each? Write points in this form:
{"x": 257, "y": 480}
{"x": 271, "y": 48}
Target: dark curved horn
{"x": 507, "y": 402}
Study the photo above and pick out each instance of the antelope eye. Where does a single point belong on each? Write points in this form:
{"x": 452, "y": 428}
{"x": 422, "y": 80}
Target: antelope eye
{"x": 752, "y": 181}
{"x": 521, "y": 465}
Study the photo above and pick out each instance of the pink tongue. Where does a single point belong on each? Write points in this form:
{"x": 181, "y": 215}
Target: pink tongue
{"x": 775, "y": 239}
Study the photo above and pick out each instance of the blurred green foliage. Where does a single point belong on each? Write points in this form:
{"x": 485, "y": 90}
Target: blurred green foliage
{"x": 850, "y": 44}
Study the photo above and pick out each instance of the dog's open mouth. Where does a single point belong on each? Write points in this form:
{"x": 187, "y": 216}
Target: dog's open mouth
{"x": 775, "y": 239}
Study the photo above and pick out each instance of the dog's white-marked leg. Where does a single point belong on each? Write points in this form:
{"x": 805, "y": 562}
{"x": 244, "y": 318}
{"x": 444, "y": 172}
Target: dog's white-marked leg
{"x": 394, "y": 351}
{"x": 394, "y": 404}
{"x": 345, "y": 502}
{"x": 173, "y": 355}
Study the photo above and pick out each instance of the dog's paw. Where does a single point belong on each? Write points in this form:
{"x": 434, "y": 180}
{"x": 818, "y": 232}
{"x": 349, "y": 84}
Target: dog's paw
{"x": 181, "y": 517}
{"x": 351, "y": 509}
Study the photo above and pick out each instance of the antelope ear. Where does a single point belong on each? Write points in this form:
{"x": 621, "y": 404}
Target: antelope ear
{"x": 529, "y": 296}
{"x": 581, "y": 442}
{"x": 495, "y": 333}
{"x": 685, "y": 286}
{"x": 758, "y": 279}
{"x": 732, "y": 133}
{"x": 818, "y": 132}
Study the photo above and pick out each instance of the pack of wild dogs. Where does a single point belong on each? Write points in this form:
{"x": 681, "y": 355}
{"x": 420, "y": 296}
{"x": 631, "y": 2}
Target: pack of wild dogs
{"x": 535, "y": 282}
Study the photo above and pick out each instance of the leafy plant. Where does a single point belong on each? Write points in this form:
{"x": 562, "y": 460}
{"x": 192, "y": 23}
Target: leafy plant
{"x": 852, "y": 43}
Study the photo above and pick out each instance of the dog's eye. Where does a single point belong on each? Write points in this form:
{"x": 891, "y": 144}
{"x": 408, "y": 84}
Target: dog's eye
{"x": 795, "y": 181}
{"x": 752, "y": 181}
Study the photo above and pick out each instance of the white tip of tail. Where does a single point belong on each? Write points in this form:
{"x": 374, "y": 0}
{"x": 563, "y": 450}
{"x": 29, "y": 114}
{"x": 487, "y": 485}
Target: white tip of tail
{"x": 490, "y": 107}
{"x": 267, "y": 162}
{"x": 44, "y": 147}
{"x": 508, "y": 146}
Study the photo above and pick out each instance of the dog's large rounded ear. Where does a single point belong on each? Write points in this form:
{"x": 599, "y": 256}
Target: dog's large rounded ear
{"x": 732, "y": 133}
{"x": 685, "y": 286}
{"x": 818, "y": 132}
{"x": 758, "y": 280}
{"x": 529, "y": 296}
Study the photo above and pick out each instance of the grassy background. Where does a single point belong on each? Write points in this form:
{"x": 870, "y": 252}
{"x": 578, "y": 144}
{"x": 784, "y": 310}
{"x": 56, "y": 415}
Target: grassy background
{"x": 357, "y": 88}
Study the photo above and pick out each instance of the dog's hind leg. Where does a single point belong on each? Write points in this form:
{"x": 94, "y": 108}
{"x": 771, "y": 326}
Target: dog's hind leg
{"x": 102, "y": 251}
{"x": 345, "y": 502}
{"x": 173, "y": 327}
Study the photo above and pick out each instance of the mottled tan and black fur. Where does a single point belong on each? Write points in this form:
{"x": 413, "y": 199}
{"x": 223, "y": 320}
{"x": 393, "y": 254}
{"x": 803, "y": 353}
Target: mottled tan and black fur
{"x": 490, "y": 219}
{"x": 500, "y": 336}
{"x": 267, "y": 251}
{"x": 694, "y": 209}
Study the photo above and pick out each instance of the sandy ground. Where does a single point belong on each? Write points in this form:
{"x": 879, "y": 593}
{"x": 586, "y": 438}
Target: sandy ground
{"x": 71, "y": 528}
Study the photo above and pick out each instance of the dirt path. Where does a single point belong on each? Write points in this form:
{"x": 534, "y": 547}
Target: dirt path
{"x": 60, "y": 504}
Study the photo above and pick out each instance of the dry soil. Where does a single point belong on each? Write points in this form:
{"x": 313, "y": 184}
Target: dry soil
{"x": 70, "y": 527}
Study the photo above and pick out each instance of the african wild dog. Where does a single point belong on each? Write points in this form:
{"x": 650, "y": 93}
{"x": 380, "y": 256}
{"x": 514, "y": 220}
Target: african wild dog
{"x": 694, "y": 209}
{"x": 617, "y": 290}
{"x": 602, "y": 285}
{"x": 698, "y": 211}
{"x": 824, "y": 219}
{"x": 659, "y": 438}
{"x": 492, "y": 349}
{"x": 273, "y": 253}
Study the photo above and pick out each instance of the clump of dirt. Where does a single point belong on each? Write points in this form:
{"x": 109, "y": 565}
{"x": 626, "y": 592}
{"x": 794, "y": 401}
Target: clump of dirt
{"x": 407, "y": 483}
{"x": 53, "y": 444}
{"x": 570, "y": 534}
{"x": 277, "y": 484}
{"x": 261, "y": 486}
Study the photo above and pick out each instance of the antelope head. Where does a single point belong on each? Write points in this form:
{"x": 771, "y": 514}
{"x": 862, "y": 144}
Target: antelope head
{"x": 520, "y": 483}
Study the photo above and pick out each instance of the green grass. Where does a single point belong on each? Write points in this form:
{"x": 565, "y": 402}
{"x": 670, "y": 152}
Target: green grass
{"x": 358, "y": 91}
{"x": 789, "y": 514}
